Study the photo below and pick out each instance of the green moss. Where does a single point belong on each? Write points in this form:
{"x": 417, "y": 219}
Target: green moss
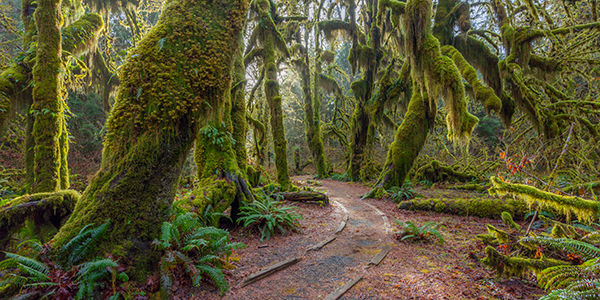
{"x": 13, "y": 80}
{"x": 46, "y": 210}
{"x": 480, "y": 207}
{"x": 397, "y": 8}
{"x": 47, "y": 105}
{"x": 81, "y": 36}
{"x": 508, "y": 221}
{"x": 436, "y": 171}
{"x": 218, "y": 193}
{"x": 408, "y": 142}
{"x": 515, "y": 266}
{"x": 585, "y": 210}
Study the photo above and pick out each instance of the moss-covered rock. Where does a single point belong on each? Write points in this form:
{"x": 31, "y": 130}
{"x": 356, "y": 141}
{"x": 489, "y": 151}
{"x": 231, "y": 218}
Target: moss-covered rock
{"x": 480, "y": 207}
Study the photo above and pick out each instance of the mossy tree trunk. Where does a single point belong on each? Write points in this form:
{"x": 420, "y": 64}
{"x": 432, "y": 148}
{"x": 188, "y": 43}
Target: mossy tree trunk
{"x": 47, "y": 108}
{"x": 363, "y": 128}
{"x": 177, "y": 74}
{"x": 312, "y": 102}
{"x": 434, "y": 76}
{"x": 272, "y": 44}
{"x": 408, "y": 142}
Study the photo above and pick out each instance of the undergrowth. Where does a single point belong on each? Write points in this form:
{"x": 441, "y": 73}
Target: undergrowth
{"x": 189, "y": 246}
{"x": 34, "y": 274}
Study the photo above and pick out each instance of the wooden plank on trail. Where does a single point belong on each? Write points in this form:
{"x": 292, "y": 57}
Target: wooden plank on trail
{"x": 381, "y": 255}
{"x": 342, "y": 225}
{"x": 321, "y": 244}
{"x": 270, "y": 270}
{"x": 342, "y": 289}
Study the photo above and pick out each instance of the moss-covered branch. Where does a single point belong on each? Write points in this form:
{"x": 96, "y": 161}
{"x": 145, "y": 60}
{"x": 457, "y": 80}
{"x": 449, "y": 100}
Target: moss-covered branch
{"x": 82, "y": 35}
{"x": 586, "y": 210}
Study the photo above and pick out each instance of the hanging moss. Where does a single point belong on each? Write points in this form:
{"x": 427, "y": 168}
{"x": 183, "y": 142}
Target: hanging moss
{"x": 397, "y": 8}
{"x": 327, "y": 57}
{"x": 178, "y": 72}
{"x": 332, "y": 29}
{"x": 480, "y": 207}
{"x": 585, "y": 210}
{"x": 81, "y": 36}
{"x": 516, "y": 266}
{"x": 12, "y": 80}
{"x": 329, "y": 84}
{"x": 482, "y": 93}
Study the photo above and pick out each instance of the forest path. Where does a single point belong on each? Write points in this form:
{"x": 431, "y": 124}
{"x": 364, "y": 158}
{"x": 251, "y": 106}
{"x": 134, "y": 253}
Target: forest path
{"x": 321, "y": 272}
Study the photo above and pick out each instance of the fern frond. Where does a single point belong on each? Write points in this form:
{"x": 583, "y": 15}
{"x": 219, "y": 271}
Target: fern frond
{"x": 83, "y": 243}
{"x": 217, "y": 277}
{"x": 585, "y": 250}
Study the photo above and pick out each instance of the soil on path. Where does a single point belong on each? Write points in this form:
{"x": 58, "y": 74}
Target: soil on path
{"x": 410, "y": 270}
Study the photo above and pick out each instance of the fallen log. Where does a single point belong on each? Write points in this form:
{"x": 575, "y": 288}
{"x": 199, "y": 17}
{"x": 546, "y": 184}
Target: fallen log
{"x": 306, "y": 197}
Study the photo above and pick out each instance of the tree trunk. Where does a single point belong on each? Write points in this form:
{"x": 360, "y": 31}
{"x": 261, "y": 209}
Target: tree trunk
{"x": 363, "y": 129}
{"x": 408, "y": 142}
{"x": 175, "y": 76}
{"x": 47, "y": 106}
{"x": 274, "y": 102}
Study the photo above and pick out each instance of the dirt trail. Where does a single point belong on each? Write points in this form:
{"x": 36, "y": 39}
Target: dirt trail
{"x": 321, "y": 272}
{"x": 424, "y": 270}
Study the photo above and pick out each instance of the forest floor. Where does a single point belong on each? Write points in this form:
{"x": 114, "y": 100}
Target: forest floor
{"x": 418, "y": 270}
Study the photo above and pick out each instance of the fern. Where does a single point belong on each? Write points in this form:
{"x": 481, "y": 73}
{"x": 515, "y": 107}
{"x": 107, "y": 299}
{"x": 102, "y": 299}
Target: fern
{"x": 81, "y": 245}
{"x": 198, "y": 250}
{"x": 585, "y": 250}
{"x": 269, "y": 216}
{"x": 412, "y": 231}
{"x": 46, "y": 279}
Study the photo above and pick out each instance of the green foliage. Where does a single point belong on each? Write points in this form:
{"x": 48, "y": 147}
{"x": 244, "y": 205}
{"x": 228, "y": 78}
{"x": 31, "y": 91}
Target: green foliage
{"x": 414, "y": 232}
{"x": 572, "y": 281}
{"x": 186, "y": 243}
{"x": 340, "y": 177}
{"x": 406, "y": 192}
{"x": 269, "y": 216}
{"x": 217, "y": 136}
{"x": 33, "y": 274}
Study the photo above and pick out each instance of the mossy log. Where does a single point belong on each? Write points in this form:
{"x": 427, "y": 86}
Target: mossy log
{"x": 306, "y": 196}
{"x": 516, "y": 266}
{"x": 437, "y": 171}
{"x": 480, "y": 207}
{"x": 178, "y": 72}
{"x": 46, "y": 210}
